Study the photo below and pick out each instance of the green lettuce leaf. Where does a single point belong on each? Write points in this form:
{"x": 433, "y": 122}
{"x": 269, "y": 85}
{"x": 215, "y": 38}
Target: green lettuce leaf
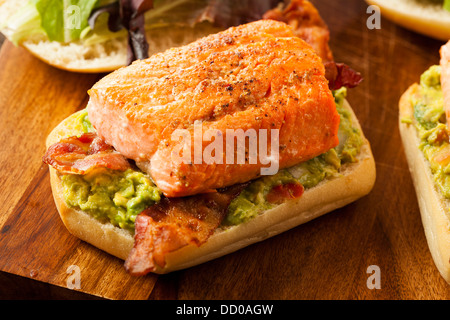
{"x": 64, "y": 20}
{"x": 23, "y": 24}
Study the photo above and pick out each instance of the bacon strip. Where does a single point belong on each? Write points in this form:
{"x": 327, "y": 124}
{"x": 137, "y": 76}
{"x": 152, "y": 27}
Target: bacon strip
{"x": 174, "y": 223}
{"x": 307, "y": 23}
{"x": 284, "y": 192}
{"x": 78, "y": 155}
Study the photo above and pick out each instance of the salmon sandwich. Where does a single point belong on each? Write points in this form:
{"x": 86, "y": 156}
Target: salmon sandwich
{"x": 424, "y": 126}
{"x": 206, "y": 148}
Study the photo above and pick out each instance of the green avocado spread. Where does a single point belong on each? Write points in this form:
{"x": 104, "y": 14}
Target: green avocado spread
{"x": 111, "y": 196}
{"x": 429, "y": 119}
{"x": 118, "y": 197}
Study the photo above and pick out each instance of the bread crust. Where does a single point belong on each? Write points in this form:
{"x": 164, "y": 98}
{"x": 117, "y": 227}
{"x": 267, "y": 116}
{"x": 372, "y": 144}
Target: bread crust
{"x": 434, "y": 209}
{"x": 356, "y": 181}
{"x": 427, "y": 19}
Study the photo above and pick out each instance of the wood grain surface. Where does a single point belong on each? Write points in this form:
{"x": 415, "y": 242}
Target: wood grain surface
{"x": 326, "y": 258}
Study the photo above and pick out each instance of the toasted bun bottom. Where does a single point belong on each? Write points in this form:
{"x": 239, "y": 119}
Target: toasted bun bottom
{"x": 434, "y": 209}
{"x": 424, "y": 17}
{"x": 356, "y": 181}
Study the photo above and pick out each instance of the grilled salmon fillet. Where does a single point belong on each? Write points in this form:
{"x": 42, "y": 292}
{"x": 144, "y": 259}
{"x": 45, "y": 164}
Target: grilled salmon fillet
{"x": 254, "y": 76}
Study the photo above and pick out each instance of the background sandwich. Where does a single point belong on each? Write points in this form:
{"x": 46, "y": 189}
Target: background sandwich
{"x": 427, "y": 17}
{"x": 424, "y": 114}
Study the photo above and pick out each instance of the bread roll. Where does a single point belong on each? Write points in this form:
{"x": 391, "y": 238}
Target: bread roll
{"x": 434, "y": 209}
{"x": 425, "y": 17}
{"x": 356, "y": 180}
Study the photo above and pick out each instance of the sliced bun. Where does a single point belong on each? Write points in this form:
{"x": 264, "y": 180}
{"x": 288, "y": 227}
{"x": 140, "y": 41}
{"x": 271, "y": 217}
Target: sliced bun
{"x": 356, "y": 181}
{"x": 434, "y": 209}
{"x": 424, "y": 17}
{"x": 101, "y": 57}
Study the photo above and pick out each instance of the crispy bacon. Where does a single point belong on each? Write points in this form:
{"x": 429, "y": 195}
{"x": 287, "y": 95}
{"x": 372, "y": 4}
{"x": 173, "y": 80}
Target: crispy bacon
{"x": 307, "y": 23}
{"x": 78, "y": 155}
{"x": 284, "y": 192}
{"x": 174, "y": 223}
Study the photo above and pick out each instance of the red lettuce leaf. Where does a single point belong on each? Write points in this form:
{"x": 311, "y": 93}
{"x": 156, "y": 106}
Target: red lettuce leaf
{"x": 132, "y": 14}
{"x": 129, "y": 15}
{"x": 114, "y": 19}
{"x": 340, "y": 75}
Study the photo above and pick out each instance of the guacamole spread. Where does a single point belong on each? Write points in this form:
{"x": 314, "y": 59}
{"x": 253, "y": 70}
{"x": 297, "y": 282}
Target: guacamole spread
{"x": 118, "y": 197}
{"x": 252, "y": 201}
{"x": 429, "y": 119}
{"x": 111, "y": 196}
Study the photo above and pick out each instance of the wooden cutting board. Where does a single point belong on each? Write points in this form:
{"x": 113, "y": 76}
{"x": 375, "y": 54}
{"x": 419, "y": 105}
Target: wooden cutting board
{"x": 327, "y": 258}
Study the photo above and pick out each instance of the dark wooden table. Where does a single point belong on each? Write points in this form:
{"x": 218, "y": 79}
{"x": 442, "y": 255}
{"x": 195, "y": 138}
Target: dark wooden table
{"x": 327, "y": 258}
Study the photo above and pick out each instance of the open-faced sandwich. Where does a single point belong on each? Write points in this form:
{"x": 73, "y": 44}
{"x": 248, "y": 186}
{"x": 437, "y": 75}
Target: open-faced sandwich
{"x": 424, "y": 120}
